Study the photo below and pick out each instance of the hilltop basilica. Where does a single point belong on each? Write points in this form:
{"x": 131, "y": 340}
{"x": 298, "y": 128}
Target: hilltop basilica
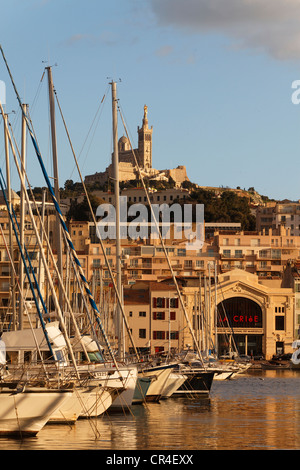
{"x": 127, "y": 167}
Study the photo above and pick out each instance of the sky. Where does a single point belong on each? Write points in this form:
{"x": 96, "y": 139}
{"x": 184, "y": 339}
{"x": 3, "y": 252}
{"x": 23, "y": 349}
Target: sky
{"x": 217, "y": 77}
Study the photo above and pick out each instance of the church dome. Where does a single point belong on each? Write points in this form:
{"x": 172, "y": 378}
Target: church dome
{"x": 124, "y": 143}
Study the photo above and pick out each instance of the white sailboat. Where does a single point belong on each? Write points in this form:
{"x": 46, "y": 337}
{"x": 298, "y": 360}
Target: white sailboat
{"x": 73, "y": 407}
{"x": 25, "y": 412}
{"x": 99, "y": 401}
{"x": 159, "y": 376}
{"x": 173, "y": 383}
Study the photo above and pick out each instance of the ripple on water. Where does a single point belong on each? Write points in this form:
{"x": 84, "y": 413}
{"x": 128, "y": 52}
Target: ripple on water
{"x": 258, "y": 410}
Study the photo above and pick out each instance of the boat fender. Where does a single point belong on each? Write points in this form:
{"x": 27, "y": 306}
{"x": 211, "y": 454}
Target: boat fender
{"x": 296, "y": 357}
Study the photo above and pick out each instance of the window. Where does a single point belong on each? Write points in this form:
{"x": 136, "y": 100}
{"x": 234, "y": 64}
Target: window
{"x": 181, "y": 252}
{"x": 279, "y": 309}
{"x": 142, "y": 333}
{"x": 159, "y": 334}
{"x": 188, "y": 263}
{"x": 276, "y": 254}
{"x": 173, "y": 335}
{"x": 264, "y": 254}
{"x": 279, "y": 322}
{"x": 159, "y": 302}
{"x": 142, "y": 314}
{"x": 174, "y": 302}
{"x": 158, "y": 315}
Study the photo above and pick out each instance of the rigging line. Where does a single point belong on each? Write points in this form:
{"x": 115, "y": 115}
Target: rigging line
{"x": 26, "y": 270}
{"x": 98, "y": 110}
{"x": 84, "y": 301}
{"x": 53, "y": 262}
{"x": 100, "y": 239}
{"x": 90, "y": 129}
{"x": 16, "y": 145}
{"x": 61, "y": 219}
{"x": 22, "y": 299}
{"x": 38, "y": 91}
{"x": 24, "y": 247}
{"x": 163, "y": 246}
{"x": 228, "y": 323}
{"x": 37, "y": 235}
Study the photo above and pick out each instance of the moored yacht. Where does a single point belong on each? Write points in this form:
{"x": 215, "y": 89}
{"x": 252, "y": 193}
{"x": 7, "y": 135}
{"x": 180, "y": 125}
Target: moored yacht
{"x": 25, "y": 411}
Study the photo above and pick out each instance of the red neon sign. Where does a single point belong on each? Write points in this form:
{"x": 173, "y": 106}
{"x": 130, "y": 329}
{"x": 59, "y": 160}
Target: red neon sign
{"x": 250, "y": 321}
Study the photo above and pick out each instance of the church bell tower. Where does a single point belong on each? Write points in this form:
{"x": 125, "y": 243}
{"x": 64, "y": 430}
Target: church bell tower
{"x": 145, "y": 143}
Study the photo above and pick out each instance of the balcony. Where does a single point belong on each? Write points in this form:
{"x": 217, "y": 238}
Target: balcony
{"x": 266, "y": 267}
{"x": 229, "y": 267}
{"x": 232, "y": 256}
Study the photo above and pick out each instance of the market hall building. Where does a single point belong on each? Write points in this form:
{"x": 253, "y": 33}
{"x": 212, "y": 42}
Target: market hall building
{"x": 256, "y": 318}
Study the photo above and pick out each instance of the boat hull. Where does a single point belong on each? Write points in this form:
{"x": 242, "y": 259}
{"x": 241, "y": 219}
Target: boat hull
{"x": 24, "y": 414}
{"x": 197, "y": 382}
{"x": 141, "y": 389}
{"x": 98, "y": 402}
{"x": 124, "y": 379}
{"x": 125, "y": 398}
{"x": 72, "y": 407}
{"x": 159, "y": 377}
{"x": 173, "y": 383}
{"x": 223, "y": 375}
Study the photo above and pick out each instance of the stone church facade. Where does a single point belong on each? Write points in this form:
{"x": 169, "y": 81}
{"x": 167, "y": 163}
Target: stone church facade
{"x": 143, "y": 154}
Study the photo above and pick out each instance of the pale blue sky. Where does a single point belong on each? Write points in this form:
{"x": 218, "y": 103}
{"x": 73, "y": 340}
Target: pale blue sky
{"x": 216, "y": 76}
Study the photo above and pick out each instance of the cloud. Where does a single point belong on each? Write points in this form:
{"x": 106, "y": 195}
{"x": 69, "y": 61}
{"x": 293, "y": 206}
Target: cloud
{"x": 75, "y": 39}
{"x": 164, "y": 51}
{"x": 105, "y": 37}
{"x": 271, "y": 26}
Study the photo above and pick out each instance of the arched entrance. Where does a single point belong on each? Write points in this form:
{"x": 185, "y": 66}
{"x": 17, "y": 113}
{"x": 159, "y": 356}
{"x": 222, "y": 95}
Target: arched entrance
{"x": 239, "y": 326}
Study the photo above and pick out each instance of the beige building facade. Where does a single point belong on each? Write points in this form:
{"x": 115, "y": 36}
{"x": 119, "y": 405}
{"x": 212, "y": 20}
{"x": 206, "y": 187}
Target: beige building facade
{"x": 260, "y": 319}
{"x": 275, "y": 214}
{"x": 241, "y": 315}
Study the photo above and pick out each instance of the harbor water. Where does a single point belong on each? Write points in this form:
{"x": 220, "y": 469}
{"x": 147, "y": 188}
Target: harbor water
{"x": 259, "y": 410}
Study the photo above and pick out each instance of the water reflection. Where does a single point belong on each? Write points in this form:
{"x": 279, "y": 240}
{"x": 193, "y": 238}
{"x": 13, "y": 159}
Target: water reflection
{"x": 260, "y": 410}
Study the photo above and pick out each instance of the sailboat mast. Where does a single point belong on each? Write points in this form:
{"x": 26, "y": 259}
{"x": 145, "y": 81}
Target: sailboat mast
{"x": 12, "y": 277}
{"x": 56, "y": 179}
{"x": 216, "y": 313}
{"x": 117, "y": 209}
{"x": 22, "y": 214}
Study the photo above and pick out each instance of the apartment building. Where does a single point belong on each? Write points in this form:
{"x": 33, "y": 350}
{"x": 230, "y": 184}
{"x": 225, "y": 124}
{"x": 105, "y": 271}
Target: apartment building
{"x": 263, "y": 254}
{"x": 155, "y": 317}
{"x": 273, "y": 215}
